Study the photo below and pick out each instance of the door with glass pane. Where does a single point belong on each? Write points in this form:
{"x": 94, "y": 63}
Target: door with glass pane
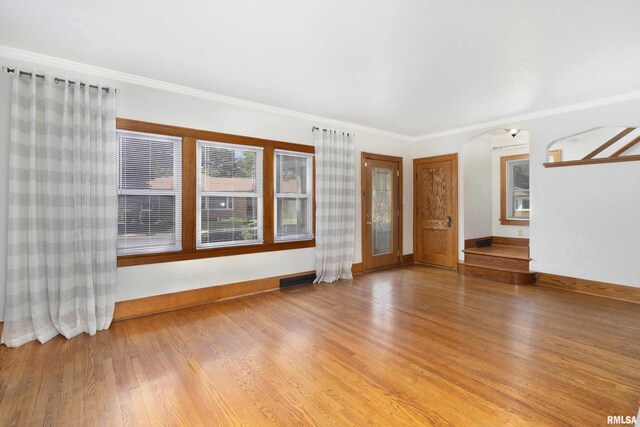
{"x": 381, "y": 211}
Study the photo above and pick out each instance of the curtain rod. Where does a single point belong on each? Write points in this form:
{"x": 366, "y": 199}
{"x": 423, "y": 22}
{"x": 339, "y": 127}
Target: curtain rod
{"x": 56, "y": 79}
{"x": 315, "y": 128}
{"x": 509, "y": 146}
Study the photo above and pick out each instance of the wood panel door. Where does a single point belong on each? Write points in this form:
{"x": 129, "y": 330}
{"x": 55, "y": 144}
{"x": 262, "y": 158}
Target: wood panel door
{"x": 435, "y": 199}
{"x": 381, "y": 210}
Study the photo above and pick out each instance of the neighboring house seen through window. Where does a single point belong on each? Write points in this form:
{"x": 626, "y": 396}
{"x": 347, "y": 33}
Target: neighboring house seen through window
{"x": 149, "y": 193}
{"x": 190, "y": 194}
{"x": 229, "y": 194}
{"x": 294, "y": 192}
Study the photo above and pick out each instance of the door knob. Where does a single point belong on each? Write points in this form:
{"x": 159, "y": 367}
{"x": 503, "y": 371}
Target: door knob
{"x": 449, "y": 221}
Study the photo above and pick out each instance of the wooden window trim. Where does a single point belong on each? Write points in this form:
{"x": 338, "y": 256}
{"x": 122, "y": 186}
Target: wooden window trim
{"x": 556, "y": 155}
{"x": 189, "y": 179}
{"x": 503, "y": 191}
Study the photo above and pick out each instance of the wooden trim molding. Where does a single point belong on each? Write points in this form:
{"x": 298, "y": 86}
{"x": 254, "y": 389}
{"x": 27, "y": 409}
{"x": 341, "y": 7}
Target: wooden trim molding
{"x": 182, "y": 132}
{"x": 592, "y": 287}
{"x": 590, "y": 158}
{"x": 503, "y": 191}
{"x": 407, "y": 259}
{"x": 609, "y": 143}
{"x": 357, "y": 268}
{"x": 364, "y": 156}
{"x": 471, "y": 243}
{"x": 556, "y": 155}
{"x": 194, "y": 297}
{"x": 157, "y": 304}
{"x": 130, "y": 260}
{"x": 633, "y": 158}
{"x": 626, "y": 147}
{"x": 511, "y": 241}
{"x": 498, "y": 240}
{"x": 189, "y": 191}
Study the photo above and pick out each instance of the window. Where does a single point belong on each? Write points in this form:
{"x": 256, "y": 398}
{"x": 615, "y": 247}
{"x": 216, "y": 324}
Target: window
{"x": 191, "y": 194}
{"x": 217, "y": 204}
{"x": 149, "y": 193}
{"x": 293, "y": 206}
{"x": 514, "y": 189}
{"x": 230, "y": 176}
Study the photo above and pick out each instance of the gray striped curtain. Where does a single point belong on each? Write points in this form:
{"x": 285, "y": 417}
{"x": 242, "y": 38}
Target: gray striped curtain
{"x": 61, "y": 267}
{"x": 335, "y": 205}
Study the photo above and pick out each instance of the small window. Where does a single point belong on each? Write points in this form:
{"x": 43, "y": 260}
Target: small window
{"x": 294, "y": 193}
{"x": 149, "y": 193}
{"x": 515, "y": 200}
{"x": 229, "y": 194}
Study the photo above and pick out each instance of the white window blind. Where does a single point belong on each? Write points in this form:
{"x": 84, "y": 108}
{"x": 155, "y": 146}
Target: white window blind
{"x": 294, "y": 192}
{"x": 229, "y": 194}
{"x": 149, "y": 193}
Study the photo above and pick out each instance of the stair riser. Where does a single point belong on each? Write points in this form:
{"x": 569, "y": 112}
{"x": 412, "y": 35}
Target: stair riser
{"x": 516, "y": 264}
{"x": 512, "y": 277}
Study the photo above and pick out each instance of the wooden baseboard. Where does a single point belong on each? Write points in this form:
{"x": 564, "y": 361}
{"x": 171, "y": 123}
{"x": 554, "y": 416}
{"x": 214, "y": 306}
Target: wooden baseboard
{"x": 177, "y": 300}
{"x": 357, "y": 268}
{"x": 499, "y": 274}
{"x": 498, "y": 240}
{"x": 609, "y": 290}
{"x": 471, "y": 243}
{"x": 511, "y": 241}
{"x": 407, "y": 259}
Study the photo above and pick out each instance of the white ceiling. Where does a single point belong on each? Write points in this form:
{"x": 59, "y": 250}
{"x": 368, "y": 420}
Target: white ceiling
{"x": 413, "y": 66}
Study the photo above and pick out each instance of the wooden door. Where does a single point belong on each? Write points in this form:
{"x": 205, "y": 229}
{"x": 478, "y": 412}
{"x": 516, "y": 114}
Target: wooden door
{"x": 381, "y": 210}
{"x": 435, "y": 222}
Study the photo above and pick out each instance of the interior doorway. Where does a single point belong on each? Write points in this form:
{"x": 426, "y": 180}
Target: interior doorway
{"x": 435, "y": 223}
{"x": 381, "y": 210}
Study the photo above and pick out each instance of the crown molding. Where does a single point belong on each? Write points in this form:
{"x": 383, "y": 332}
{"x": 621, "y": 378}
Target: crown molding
{"x": 119, "y": 76}
{"x": 505, "y": 122}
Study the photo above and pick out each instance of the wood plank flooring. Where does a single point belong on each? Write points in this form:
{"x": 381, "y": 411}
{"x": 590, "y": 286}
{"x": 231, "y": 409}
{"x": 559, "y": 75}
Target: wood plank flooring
{"x": 408, "y": 346}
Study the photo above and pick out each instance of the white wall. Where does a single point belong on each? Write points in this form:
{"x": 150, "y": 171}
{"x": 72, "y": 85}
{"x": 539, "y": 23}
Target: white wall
{"x": 143, "y": 103}
{"x": 477, "y": 187}
{"x": 577, "y": 147}
{"x": 502, "y": 141}
{"x": 584, "y": 218}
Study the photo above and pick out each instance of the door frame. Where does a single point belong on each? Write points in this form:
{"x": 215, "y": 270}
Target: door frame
{"x": 363, "y": 192}
{"x": 454, "y": 183}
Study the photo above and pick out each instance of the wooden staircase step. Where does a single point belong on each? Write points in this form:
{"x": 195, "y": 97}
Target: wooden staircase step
{"x": 491, "y": 260}
{"x": 501, "y": 251}
{"x": 495, "y": 267}
{"x": 498, "y": 273}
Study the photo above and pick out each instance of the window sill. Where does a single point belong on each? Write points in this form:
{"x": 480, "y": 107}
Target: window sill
{"x": 155, "y": 258}
{"x": 520, "y": 222}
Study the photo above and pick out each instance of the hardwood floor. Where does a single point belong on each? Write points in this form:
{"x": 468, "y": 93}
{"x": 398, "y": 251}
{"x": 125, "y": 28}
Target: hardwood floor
{"x": 413, "y": 346}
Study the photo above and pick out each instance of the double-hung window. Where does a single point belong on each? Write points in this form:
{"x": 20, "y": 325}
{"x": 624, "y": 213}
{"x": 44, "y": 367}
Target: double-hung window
{"x": 293, "y": 195}
{"x": 229, "y": 194}
{"x": 514, "y": 194}
{"x": 191, "y": 194}
{"x": 149, "y": 193}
